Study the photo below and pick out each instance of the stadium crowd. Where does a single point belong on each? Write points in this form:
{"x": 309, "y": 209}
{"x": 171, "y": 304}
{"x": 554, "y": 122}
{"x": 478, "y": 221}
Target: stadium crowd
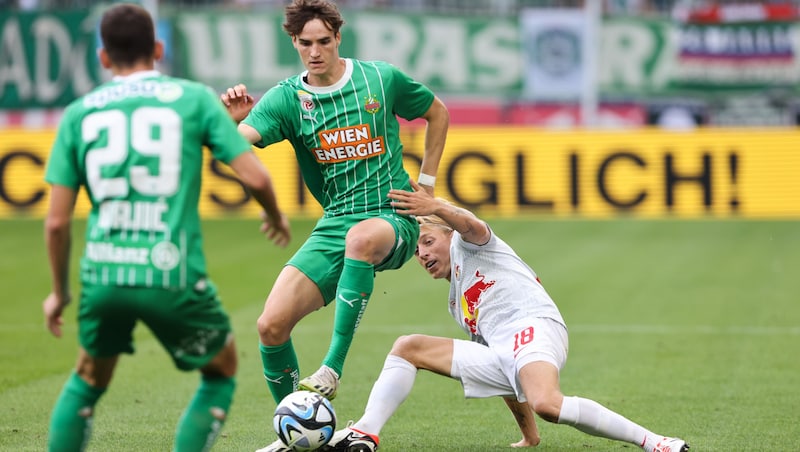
{"x": 498, "y": 7}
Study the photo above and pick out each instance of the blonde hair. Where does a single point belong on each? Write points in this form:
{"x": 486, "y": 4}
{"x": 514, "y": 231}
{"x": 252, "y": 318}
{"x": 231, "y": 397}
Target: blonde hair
{"x": 436, "y": 220}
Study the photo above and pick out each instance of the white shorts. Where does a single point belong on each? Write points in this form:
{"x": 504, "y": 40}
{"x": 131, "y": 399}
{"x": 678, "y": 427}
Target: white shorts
{"x": 489, "y": 371}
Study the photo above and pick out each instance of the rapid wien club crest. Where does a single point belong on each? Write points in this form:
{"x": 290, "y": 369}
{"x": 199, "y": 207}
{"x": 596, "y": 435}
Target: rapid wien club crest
{"x": 371, "y": 104}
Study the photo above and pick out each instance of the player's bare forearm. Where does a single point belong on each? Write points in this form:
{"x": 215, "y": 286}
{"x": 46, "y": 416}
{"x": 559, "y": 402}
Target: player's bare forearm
{"x": 438, "y": 119}
{"x": 420, "y": 203}
{"x": 526, "y": 421}
{"x": 472, "y": 229}
{"x": 58, "y": 239}
{"x": 259, "y": 182}
{"x": 275, "y": 223}
{"x": 249, "y": 133}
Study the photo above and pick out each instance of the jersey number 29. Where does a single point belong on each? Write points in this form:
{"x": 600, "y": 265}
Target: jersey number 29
{"x": 166, "y": 147}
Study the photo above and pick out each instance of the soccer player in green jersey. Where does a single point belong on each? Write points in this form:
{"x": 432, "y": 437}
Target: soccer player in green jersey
{"x": 340, "y": 115}
{"x": 135, "y": 144}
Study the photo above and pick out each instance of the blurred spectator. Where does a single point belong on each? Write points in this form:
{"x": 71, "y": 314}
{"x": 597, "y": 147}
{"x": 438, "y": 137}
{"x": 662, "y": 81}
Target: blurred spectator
{"x": 259, "y": 3}
{"x": 23, "y": 5}
{"x": 676, "y": 118}
{"x": 480, "y": 7}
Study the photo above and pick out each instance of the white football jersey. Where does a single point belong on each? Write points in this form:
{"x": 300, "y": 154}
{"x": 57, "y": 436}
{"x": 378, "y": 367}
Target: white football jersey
{"x": 490, "y": 285}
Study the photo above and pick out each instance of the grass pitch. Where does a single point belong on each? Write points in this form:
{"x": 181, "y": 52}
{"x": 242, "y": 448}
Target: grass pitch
{"x": 691, "y": 328}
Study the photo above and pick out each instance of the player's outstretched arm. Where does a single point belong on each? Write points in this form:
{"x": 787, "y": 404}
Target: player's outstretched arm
{"x": 438, "y": 119}
{"x": 253, "y": 174}
{"x": 526, "y": 421}
{"x": 421, "y": 203}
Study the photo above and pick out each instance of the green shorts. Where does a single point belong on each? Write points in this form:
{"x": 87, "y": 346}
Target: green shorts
{"x": 190, "y": 324}
{"x": 321, "y": 257}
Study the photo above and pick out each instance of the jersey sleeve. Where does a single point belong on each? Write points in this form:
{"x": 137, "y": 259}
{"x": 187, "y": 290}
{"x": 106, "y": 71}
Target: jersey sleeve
{"x": 412, "y": 98}
{"x": 267, "y": 116}
{"x": 491, "y": 243}
{"x": 222, "y": 137}
{"x": 62, "y": 165}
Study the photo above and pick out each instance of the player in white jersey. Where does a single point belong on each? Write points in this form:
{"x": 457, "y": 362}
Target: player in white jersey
{"x": 519, "y": 339}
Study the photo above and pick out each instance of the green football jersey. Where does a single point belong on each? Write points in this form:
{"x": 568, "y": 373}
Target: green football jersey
{"x": 136, "y": 145}
{"x": 346, "y": 137}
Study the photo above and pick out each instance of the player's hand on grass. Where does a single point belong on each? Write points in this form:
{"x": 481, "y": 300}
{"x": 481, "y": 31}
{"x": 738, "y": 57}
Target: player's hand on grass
{"x": 523, "y": 443}
{"x": 238, "y": 102}
{"x": 53, "y": 307}
{"x": 530, "y": 437}
{"x": 419, "y": 202}
{"x": 276, "y": 229}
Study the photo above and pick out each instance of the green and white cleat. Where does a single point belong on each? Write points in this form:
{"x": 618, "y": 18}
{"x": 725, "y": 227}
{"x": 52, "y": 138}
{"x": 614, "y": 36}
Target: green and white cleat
{"x": 324, "y": 381}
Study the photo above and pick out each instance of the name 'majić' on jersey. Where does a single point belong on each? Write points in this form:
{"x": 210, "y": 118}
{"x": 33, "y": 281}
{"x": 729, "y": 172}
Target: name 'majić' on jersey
{"x": 136, "y": 145}
{"x": 346, "y": 136}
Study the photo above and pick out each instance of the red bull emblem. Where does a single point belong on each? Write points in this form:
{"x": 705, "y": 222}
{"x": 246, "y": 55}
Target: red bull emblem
{"x": 472, "y": 298}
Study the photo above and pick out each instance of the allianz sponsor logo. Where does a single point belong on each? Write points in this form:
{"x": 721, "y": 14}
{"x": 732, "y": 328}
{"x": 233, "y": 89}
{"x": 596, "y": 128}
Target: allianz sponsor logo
{"x": 110, "y": 253}
{"x": 163, "y": 255}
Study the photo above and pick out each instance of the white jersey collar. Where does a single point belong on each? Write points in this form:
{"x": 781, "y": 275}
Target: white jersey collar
{"x": 348, "y": 72}
{"x": 136, "y": 76}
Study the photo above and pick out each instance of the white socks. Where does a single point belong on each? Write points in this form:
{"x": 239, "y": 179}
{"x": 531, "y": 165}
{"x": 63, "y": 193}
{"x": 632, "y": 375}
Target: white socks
{"x": 389, "y": 391}
{"x": 590, "y": 417}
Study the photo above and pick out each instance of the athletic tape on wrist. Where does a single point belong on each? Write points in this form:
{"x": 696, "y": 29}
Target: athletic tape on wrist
{"x": 426, "y": 179}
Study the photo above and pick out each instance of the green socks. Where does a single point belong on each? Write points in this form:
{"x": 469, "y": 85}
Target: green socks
{"x": 352, "y": 295}
{"x": 280, "y": 361}
{"x": 280, "y": 368}
{"x": 71, "y": 420}
{"x": 203, "y": 419}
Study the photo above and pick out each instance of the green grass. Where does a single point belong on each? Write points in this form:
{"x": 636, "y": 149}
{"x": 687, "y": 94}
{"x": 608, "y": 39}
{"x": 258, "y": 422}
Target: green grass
{"x": 691, "y": 328}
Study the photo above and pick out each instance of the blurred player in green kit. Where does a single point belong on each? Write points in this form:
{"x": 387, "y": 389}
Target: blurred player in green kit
{"x": 340, "y": 115}
{"x": 136, "y": 145}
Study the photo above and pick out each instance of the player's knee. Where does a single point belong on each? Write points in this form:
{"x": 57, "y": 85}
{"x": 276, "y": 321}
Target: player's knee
{"x": 407, "y": 347}
{"x": 360, "y": 246}
{"x": 548, "y": 407}
{"x": 271, "y": 332}
{"x": 400, "y": 346}
{"x": 224, "y": 364}
{"x": 368, "y": 245}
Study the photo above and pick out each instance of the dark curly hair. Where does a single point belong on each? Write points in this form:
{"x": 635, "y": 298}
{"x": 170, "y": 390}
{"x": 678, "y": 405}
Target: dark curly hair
{"x": 300, "y": 12}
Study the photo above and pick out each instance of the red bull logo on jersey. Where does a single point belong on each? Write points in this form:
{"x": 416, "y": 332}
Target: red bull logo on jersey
{"x": 371, "y": 104}
{"x": 470, "y": 300}
{"x": 348, "y": 143}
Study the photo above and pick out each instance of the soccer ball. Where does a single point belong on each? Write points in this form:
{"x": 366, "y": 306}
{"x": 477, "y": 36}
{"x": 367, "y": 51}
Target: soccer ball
{"x": 304, "y": 421}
